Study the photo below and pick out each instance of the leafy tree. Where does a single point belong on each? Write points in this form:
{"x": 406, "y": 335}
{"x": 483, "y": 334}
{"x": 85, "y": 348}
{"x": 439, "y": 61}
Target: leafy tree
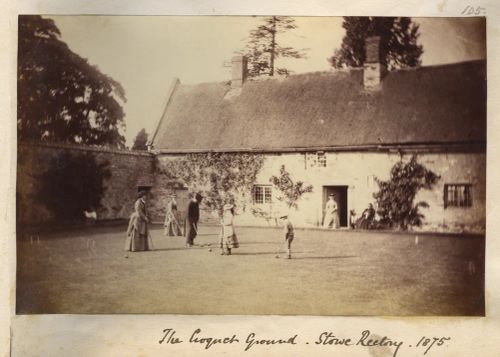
{"x": 263, "y": 49}
{"x": 290, "y": 191}
{"x": 60, "y": 96}
{"x": 398, "y": 42}
{"x": 219, "y": 177}
{"x": 395, "y": 196}
{"x": 140, "y": 140}
{"x": 72, "y": 184}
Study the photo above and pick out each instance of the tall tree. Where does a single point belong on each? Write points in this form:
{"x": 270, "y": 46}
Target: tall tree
{"x": 263, "y": 49}
{"x": 398, "y": 42}
{"x": 60, "y": 96}
{"x": 140, "y": 141}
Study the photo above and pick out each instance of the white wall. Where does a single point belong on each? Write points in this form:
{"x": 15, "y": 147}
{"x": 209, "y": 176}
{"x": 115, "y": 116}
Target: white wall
{"x": 357, "y": 170}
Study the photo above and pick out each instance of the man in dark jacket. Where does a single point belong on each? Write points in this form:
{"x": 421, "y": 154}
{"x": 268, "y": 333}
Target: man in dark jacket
{"x": 192, "y": 217}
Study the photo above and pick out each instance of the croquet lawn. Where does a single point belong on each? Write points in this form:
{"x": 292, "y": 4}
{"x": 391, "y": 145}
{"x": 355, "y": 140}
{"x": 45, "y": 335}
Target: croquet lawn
{"x": 331, "y": 273}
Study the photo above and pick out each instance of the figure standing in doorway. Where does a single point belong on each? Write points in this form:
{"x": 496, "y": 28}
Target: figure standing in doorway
{"x": 331, "y": 213}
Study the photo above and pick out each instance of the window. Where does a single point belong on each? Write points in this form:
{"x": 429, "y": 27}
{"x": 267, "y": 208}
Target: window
{"x": 457, "y": 195}
{"x": 262, "y": 194}
{"x": 321, "y": 159}
{"x": 317, "y": 159}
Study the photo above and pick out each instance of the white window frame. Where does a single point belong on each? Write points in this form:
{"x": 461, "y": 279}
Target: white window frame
{"x": 265, "y": 193}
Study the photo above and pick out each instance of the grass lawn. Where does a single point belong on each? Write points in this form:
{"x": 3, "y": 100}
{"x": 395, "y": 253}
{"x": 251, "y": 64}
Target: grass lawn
{"x": 330, "y": 273}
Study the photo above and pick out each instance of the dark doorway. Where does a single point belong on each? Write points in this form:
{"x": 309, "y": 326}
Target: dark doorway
{"x": 340, "y": 193}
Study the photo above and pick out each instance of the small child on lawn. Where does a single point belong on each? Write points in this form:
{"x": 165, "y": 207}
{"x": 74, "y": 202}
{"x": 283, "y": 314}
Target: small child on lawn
{"x": 288, "y": 227}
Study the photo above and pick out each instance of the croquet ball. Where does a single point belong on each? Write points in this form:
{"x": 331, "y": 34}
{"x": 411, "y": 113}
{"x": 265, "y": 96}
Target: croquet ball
{"x": 210, "y": 250}
{"x": 277, "y": 256}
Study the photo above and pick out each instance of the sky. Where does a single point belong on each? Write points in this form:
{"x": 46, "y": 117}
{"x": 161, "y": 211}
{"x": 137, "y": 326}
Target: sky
{"x": 146, "y": 53}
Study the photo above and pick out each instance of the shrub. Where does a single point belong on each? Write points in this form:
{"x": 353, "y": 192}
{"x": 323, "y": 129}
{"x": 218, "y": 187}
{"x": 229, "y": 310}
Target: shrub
{"x": 72, "y": 184}
{"x": 396, "y": 196}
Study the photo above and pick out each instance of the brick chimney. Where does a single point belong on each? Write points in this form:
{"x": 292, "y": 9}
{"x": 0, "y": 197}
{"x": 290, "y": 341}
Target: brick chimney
{"x": 373, "y": 70}
{"x": 239, "y": 71}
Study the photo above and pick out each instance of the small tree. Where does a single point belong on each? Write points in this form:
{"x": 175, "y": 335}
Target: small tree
{"x": 141, "y": 140}
{"x": 72, "y": 184}
{"x": 395, "y": 196}
{"x": 290, "y": 191}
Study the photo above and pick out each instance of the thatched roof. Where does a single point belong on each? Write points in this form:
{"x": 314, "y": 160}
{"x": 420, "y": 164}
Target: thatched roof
{"x": 440, "y": 104}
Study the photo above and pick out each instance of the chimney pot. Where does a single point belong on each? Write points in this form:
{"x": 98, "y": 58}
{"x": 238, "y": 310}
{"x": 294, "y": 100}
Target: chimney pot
{"x": 372, "y": 48}
{"x": 373, "y": 69}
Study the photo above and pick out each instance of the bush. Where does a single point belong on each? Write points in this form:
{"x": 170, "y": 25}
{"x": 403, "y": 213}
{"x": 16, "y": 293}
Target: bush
{"x": 396, "y": 196}
{"x": 72, "y": 184}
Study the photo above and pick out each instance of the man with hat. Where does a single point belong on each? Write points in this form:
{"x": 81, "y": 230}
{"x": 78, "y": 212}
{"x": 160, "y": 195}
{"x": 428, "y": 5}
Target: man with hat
{"x": 288, "y": 227}
{"x": 331, "y": 213}
{"x": 192, "y": 217}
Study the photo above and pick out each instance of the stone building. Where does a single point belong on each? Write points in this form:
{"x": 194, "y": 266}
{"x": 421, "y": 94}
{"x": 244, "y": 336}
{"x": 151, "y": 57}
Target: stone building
{"x": 339, "y": 130}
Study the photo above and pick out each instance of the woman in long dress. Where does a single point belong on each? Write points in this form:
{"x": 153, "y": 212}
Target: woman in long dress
{"x": 172, "y": 226}
{"x": 228, "y": 238}
{"x": 137, "y": 232}
{"x": 331, "y": 218}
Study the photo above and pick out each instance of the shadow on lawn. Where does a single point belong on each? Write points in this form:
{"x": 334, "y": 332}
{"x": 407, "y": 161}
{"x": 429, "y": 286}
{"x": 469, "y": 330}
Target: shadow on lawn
{"x": 259, "y": 243}
{"x": 335, "y": 257}
{"x": 167, "y": 249}
{"x": 256, "y": 253}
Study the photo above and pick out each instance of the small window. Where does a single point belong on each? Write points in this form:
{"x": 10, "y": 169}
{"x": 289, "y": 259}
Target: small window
{"x": 317, "y": 159}
{"x": 321, "y": 159}
{"x": 262, "y": 194}
{"x": 457, "y": 195}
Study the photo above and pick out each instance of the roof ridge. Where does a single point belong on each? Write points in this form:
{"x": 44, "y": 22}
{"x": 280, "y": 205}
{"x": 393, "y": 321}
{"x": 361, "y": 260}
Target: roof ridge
{"x": 440, "y": 65}
{"x": 334, "y": 71}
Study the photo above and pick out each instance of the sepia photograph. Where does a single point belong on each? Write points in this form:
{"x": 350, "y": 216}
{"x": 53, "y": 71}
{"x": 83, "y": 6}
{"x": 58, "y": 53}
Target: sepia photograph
{"x": 251, "y": 165}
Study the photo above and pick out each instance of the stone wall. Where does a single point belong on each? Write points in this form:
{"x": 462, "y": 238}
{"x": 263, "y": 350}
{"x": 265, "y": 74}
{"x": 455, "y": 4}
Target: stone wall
{"x": 128, "y": 170}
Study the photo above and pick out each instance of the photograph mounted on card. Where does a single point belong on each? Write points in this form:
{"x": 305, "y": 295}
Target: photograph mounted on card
{"x": 265, "y": 165}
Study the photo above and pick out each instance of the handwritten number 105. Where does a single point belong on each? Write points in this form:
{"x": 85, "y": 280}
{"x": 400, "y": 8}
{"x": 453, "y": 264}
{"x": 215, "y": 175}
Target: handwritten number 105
{"x": 470, "y": 10}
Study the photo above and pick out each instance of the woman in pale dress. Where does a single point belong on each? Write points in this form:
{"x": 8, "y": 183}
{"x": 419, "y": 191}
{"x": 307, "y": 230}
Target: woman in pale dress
{"x": 172, "y": 226}
{"x": 228, "y": 238}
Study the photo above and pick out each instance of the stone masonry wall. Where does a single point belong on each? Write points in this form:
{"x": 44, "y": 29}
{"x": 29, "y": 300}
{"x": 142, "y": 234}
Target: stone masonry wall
{"x": 128, "y": 170}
